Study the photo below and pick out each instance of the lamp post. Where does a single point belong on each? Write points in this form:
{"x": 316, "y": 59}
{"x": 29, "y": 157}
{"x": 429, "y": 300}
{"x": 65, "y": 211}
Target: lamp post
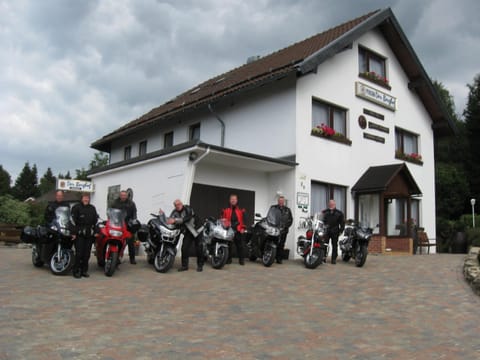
{"x": 472, "y": 201}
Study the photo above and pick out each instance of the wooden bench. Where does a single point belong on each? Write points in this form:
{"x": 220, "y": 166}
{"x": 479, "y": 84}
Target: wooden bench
{"x": 10, "y": 233}
{"x": 424, "y": 241}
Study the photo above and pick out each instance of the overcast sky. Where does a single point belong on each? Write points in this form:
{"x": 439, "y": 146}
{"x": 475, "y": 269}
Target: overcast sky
{"x": 72, "y": 71}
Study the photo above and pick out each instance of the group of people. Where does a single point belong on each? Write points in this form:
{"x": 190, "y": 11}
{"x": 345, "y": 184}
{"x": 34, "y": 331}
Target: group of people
{"x": 85, "y": 217}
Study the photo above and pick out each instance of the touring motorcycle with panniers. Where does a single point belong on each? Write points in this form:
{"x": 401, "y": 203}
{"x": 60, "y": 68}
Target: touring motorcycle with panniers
{"x": 216, "y": 234}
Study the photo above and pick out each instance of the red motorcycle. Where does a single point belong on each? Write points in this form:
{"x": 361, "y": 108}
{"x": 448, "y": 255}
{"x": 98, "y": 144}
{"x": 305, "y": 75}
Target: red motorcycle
{"x": 111, "y": 239}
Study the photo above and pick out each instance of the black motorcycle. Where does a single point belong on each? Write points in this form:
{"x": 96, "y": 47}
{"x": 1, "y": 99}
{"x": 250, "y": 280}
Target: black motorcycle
{"x": 263, "y": 237}
{"x": 52, "y": 244}
{"x": 354, "y": 244}
{"x": 160, "y": 241}
{"x": 216, "y": 237}
{"x": 313, "y": 247}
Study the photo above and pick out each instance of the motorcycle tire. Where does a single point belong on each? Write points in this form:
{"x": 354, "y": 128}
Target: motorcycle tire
{"x": 312, "y": 261}
{"x": 36, "y": 260}
{"x": 61, "y": 265}
{"x": 165, "y": 263}
{"x": 219, "y": 261}
{"x": 361, "y": 256}
{"x": 150, "y": 259}
{"x": 111, "y": 264}
{"x": 346, "y": 257}
{"x": 268, "y": 257}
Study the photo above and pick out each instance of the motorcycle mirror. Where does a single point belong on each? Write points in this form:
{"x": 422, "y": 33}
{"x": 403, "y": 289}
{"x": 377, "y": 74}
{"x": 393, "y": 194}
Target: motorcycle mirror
{"x": 258, "y": 215}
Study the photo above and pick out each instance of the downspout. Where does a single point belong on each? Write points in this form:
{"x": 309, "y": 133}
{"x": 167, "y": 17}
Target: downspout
{"x": 187, "y": 192}
{"x": 222, "y": 124}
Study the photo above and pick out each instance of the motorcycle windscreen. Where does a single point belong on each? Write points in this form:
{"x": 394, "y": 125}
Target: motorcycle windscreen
{"x": 274, "y": 216}
{"x": 162, "y": 219}
{"x": 116, "y": 217}
{"x": 62, "y": 219}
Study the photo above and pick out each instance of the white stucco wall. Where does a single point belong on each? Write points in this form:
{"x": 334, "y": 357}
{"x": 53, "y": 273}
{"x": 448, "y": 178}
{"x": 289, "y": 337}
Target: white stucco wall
{"x": 331, "y": 162}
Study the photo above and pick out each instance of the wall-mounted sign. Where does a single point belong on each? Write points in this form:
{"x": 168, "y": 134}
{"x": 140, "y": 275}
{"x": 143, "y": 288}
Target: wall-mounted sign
{"x": 381, "y": 128}
{"x": 374, "y": 114}
{"x": 376, "y": 96}
{"x": 374, "y": 137}
{"x": 362, "y": 122}
{"x": 74, "y": 185}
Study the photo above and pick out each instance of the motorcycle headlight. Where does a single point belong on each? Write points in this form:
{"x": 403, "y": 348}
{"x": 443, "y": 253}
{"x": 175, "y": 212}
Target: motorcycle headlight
{"x": 272, "y": 231}
{"x": 116, "y": 233}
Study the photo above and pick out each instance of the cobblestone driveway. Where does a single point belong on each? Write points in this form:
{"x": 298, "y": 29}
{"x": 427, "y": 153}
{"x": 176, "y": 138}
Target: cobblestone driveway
{"x": 416, "y": 307}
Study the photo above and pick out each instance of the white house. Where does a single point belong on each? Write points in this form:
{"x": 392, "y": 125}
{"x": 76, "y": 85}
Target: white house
{"x": 348, "y": 114}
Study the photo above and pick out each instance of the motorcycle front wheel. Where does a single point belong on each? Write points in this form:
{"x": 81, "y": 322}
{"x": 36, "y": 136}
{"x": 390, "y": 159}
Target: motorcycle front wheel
{"x": 361, "y": 256}
{"x": 312, "y": 261}
{"x": 219, "y": 260}
{"x": 111, "y": 264}
{"x": 36, "y": 260}
{"x": 163, "y": 263}
{"x": 269, "y": 255}
{"x": 62, "y": 263}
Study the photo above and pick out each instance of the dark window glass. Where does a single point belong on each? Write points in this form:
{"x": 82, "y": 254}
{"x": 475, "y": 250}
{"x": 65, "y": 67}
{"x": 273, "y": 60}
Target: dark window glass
{"x": 329, "y": 115}
{"x": 370, "y": 62}
{"x": 321, "y": 193}
{"x": 142, "y": 148}
{"x": 168, "y": 139}
{"x": 194, "y": 132}
{"x": 127, "y": 152}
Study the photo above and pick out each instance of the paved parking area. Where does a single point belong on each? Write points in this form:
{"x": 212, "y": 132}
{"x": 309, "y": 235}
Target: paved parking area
{"x": 396, "y": 307}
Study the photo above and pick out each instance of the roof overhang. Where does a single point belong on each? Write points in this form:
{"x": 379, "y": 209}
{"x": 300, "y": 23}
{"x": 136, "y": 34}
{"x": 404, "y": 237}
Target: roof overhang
{"x": 213, "y": 154}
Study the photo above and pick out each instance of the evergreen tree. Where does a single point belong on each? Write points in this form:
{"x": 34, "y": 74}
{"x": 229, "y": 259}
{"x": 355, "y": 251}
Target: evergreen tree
{"x": 5, "y": 181}
{"x": 26, "y": 183}
{"x": 472, "y": 130}
{"x": 81, "y": 174}
{"x": 67, "y": 175}
{"x": 48, "y": 182}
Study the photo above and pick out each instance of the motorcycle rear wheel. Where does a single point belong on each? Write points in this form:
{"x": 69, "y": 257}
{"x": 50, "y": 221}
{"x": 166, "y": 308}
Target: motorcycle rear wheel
{"x": 111, "y": 264}
{"x": 219, "y": 261}
{"x": 312, "y": 261}
{"x": 269, "y": 254}
{"x": 163, "y": 263}
{"x": 60, "y": 265}
{"x": 36, "y": 260}
{"x": 361, "y": 256}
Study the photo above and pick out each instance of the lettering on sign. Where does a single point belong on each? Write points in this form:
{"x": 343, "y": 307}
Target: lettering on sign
{"x": 74, "y": 185}
{"x": 374, "y": 114}
{"x": 376, "y": 96}
{"x": 374, "y": 137}
{"x": 375, "y": 126}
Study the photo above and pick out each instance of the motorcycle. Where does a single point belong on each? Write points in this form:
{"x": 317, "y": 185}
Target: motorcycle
{"x": 263, "y": 237}
{"x": 52, "y": 244}
{"x": 354, "y": 244}
{"x": 160, "y": 241}
{"x": 216, "y": 237}
{"x": 111, "y": 239}
{"x": 313, "y": 247}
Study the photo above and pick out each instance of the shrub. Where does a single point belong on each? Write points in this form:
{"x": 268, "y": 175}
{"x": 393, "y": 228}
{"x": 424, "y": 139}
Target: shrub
{"x": 444, "y": 234}
{"x": 467, "y": 220}
{"x": 473, "y": 237}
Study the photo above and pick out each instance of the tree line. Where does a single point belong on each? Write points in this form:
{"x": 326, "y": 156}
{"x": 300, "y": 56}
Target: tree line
{"x": 14, "y": 209}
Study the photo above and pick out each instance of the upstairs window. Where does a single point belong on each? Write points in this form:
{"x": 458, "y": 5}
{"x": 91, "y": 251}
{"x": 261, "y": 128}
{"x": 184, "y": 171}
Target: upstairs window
{"x": 372, "y": 66}
{"x": 325, "y": 116}
{"x": 406, "y": 146}
{"x": 142, "y": 148}
{"x": 194, "y": 132}
{"x": 127, "y": 152}
{"x": 168, "y": 140}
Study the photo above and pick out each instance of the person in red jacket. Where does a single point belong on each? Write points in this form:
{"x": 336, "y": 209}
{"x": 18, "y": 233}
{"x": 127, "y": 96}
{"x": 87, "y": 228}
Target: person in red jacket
{"x": 235, "y": 215}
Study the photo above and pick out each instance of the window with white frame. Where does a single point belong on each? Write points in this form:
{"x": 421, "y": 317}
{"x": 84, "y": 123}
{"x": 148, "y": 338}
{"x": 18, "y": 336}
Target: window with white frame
{"x": 321, "y": 193}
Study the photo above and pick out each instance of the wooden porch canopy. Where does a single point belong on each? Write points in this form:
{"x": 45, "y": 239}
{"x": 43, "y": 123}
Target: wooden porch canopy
{"x": 389, "y": 181}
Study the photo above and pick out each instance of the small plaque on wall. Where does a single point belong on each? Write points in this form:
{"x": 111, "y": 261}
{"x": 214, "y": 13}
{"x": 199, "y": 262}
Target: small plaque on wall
{"x": 374, "y": 137}
{"x": 362, "y": 122}
{"x": 381, "y": 128}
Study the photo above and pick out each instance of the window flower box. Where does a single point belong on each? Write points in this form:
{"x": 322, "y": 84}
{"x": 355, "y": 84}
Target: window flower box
{"x": 413, "y": 157}
{"x": 327, "y": 132}
{"x": 375, "y": 78}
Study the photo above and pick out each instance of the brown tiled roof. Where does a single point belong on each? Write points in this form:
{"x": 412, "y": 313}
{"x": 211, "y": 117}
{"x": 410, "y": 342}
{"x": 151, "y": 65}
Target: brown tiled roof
{"x": 302, "y": 57}
{"x": 277, "y": 64}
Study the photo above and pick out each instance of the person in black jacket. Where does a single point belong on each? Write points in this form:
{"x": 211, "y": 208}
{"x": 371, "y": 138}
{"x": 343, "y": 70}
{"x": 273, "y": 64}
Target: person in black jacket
{"x": 335, "y": 221}
{"x": 286, "y": 221}
{"x": 84, "y": 217}
{"x": 130, "y": 209}
{"x": 53, "y": 205}
{"x": 184, "y": 217}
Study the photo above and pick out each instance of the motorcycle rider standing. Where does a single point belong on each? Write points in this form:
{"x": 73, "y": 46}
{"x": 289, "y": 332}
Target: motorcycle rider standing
{"x": 130, "y": 210}
{"x": 235, "y": 215}
{"x": 335, "y": 220}
{"x": 183, "y": 216}
{"x": 84, "y": 217}
{"x": 286, "y": 221}
{"x": 53, "y": 205}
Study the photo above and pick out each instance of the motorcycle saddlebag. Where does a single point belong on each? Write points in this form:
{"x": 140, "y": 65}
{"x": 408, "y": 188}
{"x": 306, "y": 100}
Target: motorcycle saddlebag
{"x": 143, "y": 233}
{"x": 29, "y": 235}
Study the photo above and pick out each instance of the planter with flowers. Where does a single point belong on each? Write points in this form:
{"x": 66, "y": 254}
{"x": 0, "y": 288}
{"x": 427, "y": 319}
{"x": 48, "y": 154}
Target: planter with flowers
{"x": 327, "y": 132}
{"x": 413, "y": 157}
{"x": 375, "y": 78}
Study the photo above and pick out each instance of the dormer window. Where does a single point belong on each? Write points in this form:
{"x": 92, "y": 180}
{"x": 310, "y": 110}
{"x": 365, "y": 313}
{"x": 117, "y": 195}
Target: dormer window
{"x": 127, "y": 152}
{"x": 372, "y": 66}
